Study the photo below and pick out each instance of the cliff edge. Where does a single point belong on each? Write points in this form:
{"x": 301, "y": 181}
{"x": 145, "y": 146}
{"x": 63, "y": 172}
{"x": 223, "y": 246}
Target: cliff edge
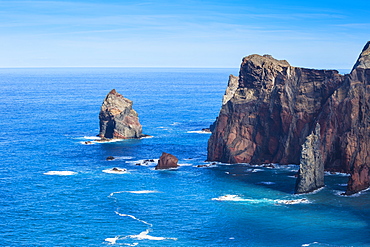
{"x": 268, "y": 116}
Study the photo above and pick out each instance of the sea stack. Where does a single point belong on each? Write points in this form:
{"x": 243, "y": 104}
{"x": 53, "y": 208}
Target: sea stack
{"x": 276, "y": 106}
{"x": 167, "y": 161}
{"x": 118, "y": 119}
{"x": 311, "y": 171}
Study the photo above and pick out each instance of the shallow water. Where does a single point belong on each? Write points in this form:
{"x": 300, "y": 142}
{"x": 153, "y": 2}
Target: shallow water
{"x": 56, "y": 191}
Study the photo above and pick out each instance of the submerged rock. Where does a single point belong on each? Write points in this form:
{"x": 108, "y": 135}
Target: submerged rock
{"x": 275, "y": 107}
{"x": 167, "y": 161}
{"x": 118, "y": 119}
{"x": 110, "y": 158}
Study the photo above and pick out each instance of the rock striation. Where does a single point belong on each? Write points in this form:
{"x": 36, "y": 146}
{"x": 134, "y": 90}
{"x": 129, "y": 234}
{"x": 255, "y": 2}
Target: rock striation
{"x": 363, "y": 61}
{"x": 275, "y": 107}
{"x": 311, "y": 171}
{"x": 118, "y": 119}
{"x": 167, "y": 161}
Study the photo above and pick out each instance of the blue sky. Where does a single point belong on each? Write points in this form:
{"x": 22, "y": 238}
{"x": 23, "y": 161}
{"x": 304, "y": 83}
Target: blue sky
{"x": 193, "y": 33}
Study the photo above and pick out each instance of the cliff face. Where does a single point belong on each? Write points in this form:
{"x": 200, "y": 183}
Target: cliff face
{"x": 275, "y": 107}
{"x": 118, "y": 119}
{"x": 271, "y": 112}
{"x": 345, "y": 122}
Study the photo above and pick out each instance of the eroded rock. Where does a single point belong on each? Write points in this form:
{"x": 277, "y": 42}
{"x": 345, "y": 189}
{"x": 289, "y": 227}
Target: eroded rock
{"x": 311, "y": 171}
{"x": 275, "y": 107}
{"x": 118, "y": 119}
{"x": 271, "y": 112}
{"x": 167, "y": 161}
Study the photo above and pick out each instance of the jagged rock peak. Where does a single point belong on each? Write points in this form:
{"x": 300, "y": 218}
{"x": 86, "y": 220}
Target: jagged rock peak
{"x": 258, "y": 59}
{"x": 277, "y": 106}
{"x": 363, "y": 61}
{"x": 118, "y": 119}
{"x": 232, "y": 86}
{"x": 311, "y": 171}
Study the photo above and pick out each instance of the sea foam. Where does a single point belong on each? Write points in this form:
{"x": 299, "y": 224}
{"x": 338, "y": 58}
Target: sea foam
{"x": 91, "y": 137}
{"x": 237, "y": 198}
{"x": 144, "y": 235}
{"x": 198, "y": 132}
{"x": 133, "y": 217}
{"x": 142, "y": 191}
{"x": 112, "y": 240}
{"x": 116, "y": 171}
{"x": 60, "y": 173}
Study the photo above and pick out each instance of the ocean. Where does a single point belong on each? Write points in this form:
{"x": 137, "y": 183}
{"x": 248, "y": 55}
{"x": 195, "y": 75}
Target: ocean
{"x": 57, "y": 191}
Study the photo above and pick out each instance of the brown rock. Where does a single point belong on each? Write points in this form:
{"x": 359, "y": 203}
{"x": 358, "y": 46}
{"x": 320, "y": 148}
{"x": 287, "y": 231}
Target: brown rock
{"x": 118, "y": 119}
{"x": 363, "y": 60}
{"x": 167, "y": 161}
{"x": 271, "y": 112}
{"x": 346, "y": 134}
{"x": 276, "y": 106}
{"x": 311, "y": 171}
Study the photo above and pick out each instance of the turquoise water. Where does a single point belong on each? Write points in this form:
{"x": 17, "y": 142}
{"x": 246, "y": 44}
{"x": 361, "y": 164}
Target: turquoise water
{"x": 55, "y": 191}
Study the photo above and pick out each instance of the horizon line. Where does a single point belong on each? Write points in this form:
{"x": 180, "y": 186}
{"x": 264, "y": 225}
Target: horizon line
{"x": 143, "y": 67}
{"x": 159, "y": 67}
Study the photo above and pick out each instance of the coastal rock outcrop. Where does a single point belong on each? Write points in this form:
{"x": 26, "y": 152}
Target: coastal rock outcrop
{"x": 363, "y": 61}
{"x": 271, "y": 112}
{"x": 118, "y": 119}
{"x": 311, "y": 171}
{"x": 275, "y": 107}
{"x": 345, "y": 123}
{"x": 167, "y": 161}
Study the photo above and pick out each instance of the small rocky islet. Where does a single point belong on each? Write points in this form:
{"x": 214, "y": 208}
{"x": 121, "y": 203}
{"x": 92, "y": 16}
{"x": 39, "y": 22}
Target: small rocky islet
{"x": 276, "y": 113}
{"x": 117, "y": 119}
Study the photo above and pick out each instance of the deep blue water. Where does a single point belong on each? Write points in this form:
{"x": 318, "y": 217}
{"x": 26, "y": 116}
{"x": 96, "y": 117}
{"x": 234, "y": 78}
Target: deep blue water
{"x": 46, "y": 116}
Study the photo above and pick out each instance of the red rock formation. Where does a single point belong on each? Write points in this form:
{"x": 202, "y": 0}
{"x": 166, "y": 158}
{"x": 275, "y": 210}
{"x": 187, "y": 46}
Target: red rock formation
{"x": 271, "y": 112}
{"x": 118, "y": 119}
{"x": 167, "y": 161}
{"x": 345, "y": 131}
{"x": 275, "y": 106}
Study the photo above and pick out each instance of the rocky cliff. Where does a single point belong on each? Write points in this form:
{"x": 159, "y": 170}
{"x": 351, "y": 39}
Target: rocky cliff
{"x": 118, "y": 119}
{"x": 267, "y": 117}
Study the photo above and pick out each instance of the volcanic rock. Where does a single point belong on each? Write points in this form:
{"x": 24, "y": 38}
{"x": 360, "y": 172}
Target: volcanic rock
{"x": 118, "y": 119}
{"x": 110, "y": 158}
{"x": 311, "y": 171}
{"x": 271, "y": 112}
{"x": 167, "y": 161}
{"x": 345, "y": 123}
{"x": 275, "y": 107}
{"x": 363, "y": 61}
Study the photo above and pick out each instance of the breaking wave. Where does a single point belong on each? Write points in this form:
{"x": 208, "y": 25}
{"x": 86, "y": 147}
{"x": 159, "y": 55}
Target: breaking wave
{"x": 199, "y": 132}
{"x": 60, "y": 173}
{"x": 116, "y": 170}
{"x": 319, "y": 244}
{"x": 341, "y": 193}
{"x": 263, "y": 200}
{"x": 144, "y": 235}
